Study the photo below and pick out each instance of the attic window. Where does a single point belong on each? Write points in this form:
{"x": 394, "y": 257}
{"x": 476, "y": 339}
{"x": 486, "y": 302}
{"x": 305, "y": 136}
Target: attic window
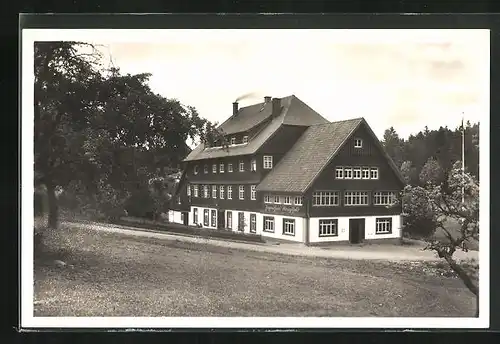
{"x": 233, "y": 140}
{"x": 245, "y": 139}
{"x": 358, "y": 143}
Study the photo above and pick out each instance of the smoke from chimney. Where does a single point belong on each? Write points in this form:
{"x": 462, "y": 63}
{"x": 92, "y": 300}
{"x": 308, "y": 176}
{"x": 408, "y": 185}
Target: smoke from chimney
{"x": 246, "y": 96}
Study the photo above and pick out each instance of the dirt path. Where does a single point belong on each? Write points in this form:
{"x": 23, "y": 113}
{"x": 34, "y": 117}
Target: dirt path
{"x": 372, "y": 252}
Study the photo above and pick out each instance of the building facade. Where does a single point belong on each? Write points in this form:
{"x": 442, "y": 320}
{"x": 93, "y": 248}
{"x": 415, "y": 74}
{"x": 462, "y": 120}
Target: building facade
{"x": 288, "y": 173}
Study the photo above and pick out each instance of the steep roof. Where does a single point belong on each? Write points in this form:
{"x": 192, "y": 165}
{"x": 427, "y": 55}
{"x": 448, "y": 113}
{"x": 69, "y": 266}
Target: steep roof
{"x": 293, "y": 112}
{"x": 312, "y": 152}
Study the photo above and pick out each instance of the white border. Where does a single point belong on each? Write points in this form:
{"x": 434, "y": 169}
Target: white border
{"x": 29, "y": 36}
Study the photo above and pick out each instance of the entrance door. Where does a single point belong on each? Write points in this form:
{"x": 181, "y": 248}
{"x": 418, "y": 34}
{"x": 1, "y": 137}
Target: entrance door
{"x": 220, "y": 220}
{"x": 356, "y": 230}
{"x": 185, "y": 218}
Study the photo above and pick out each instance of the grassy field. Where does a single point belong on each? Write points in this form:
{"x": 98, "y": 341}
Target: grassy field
{"x": 116, "y": 275}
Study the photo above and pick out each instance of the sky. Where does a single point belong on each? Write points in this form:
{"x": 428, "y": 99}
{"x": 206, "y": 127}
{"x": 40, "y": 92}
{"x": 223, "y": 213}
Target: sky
{"x": 402, "y": 78}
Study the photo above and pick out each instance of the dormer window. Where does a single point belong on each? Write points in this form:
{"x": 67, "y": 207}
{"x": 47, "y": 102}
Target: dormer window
{"x": 245, "y": 139}
{"x": 205, "y": 169}
{"x": 253, "y": 165}
{"x": 221, "y": 168}
{"x": 242, "y": 166}
{"x": 358, "y": 143}
{"x": 214, "y": 168}
{"x": 233, "y": 140}
{"x": 267, "y": 162}
{"x": 195, "y": 170}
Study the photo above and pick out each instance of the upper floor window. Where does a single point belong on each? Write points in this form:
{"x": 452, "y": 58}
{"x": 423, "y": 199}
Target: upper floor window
{"x": 365, "y": 173}
{"x": 242, "y": 166}
{"x": 245, "y": 139}
{"x": 205, "y": 169}
{"x": 195, "y": 169}
{"x": 188, "y": 190}
{"x": 277, "y": 199}
{"x": 233, "y": 140}
{"x": 221, "y": 192}
{"x": 287, "y": 200}
{"x": 253, "y": 165}
{"x": 384, "y": 198}
{"x": 358, "y": 143}
{"x": 253, "y": 193}
{"x": 205, "y": 191}
{"x": 297, "y": 200}
{"x": 325, "y": 198}
{"x": 355, "y": 198}
{"x": 229, "y": 192}
{"x": 214, "y": 191}
{"x": 356, "y": 171}
{"x": 221, "y": 167}
{"x": 230, "y": 167}
{"x": 374, "y": 173}
{"x": 339, "y": 173}
{"x": 347, "y": 172}
{"x": 241, "y": 192}
{"x": 268, "y": 162}
{"x": 267, "y": 198}
{"x": 195, "y": 190}
{"x": 214, "y": 168}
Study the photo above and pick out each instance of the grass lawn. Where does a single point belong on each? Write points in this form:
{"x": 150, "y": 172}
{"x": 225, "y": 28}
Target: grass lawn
{"x": 118, "y": 275}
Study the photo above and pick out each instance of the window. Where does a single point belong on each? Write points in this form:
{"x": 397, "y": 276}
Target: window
{"x": 384, "y": 198}
{"x": 268, "y": 224}
{"x": 214, "y": 168}
{"x": 358, "y": 143}
{"x": 253, "y": 223}
{"x": 297, "y": 200}
{"x": 339, "y": 173}
{"x": 328, "y": 228}
{"x": 229, "y": 221}
{"x": 230, "y": 167}
{"x": 241, "y": 192}
{"x": 221, "y": 192}
{"x": 245, "y": 139}
{"x": 356, "y": 198}
{"x": 205, "y": 169}
{"x": 214, "y": 191}
{"x": 242, "y": 166}
{"x": 178, "y": 199}
{"x": 277, "y": 199}
{"x": 325, "y": 198}
{"x": 365, "y": 174}
{"x": 195, "y": 216}
{"x": 195, "y": 170}
{"x": 356, "y": 172}
{"x": 268, "y": 162}
{"x": 214, "y": 218}
{"x": 241, "y": 221}
{"x": 383, "y": 225}
{"x": 205, "y": 191}
{"x": 188, "y": 190}
{"x": 267, "y": 198}
{"x": 233, "y": 140}
{"x": 229, "y": 192}
{"x": 205, "y": 217}
{"x": 253, "y": 193}
{"x": 221, "y": 167}
{"x": 253, "y": 165}
{"x": 374, "y": 173}
{"x": 288, "y": 226}
{"x": 347, "y": 172}
{"x": 195, "y": 190}
{"x": 288, "y": 200}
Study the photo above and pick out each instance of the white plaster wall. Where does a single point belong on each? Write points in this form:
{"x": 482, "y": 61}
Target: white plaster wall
{"x": 278, "y": 227}
{"x": 343, "y": 230}
{"x": 201, "y": 217}
{"x": 174, "y": 216}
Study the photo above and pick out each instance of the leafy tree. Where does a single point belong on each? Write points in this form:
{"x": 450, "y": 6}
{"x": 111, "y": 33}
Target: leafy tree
{"x": 393, "y": 145}
{"x": 407, "y": 171}
{"x": 431, "y": 172}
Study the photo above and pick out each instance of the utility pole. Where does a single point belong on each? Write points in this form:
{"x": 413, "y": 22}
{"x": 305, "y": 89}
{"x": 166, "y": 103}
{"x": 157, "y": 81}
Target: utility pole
{"x": 463, "y": 162}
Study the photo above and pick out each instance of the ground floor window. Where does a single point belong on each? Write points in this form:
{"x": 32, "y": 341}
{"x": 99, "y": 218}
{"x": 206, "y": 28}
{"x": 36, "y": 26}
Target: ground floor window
{"x": 229, "y": 222}
{"x": 328, "y": 227}
{"x": 214, "y": 218}
{"x": 253, "y": 223}
{"x": 195, "y": 216}
{"x": 182, "y": 217}
{"x": 268, "y": 224}
{"x": 289, "y": 226}
{"x": 383, "y": 225}
{"x": 206, "y": 218}
{"x": 241, "y": 221}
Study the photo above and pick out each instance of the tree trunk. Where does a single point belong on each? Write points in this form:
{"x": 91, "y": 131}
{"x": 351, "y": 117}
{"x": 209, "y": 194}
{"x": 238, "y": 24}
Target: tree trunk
{"x": 465, "y": 278}
{"x": 53, "y": 218}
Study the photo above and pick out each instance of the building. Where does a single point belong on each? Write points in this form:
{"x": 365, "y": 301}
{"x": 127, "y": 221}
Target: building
{"x": 288, "y": 173}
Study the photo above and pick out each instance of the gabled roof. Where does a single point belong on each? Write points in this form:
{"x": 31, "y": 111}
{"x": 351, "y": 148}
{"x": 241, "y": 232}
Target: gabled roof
{"x": 312, "y": 152}
{"x": 293, "y": 112}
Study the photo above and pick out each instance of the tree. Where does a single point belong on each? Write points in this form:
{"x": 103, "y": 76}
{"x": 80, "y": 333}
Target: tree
{"x": 431, "y": 172}
{"x": 407, "y": 171}
{"x": 393, "y": 145}
{"x": 441, "y": 202}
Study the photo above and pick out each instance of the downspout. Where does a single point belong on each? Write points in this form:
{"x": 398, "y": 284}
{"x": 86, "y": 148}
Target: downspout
{"x": 306, "y": 228}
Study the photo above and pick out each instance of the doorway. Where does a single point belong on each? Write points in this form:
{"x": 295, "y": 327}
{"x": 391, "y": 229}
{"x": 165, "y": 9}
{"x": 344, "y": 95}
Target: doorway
{"x": 220, "y": 220}
{"x": 356, "y": 231}
{"x": 185, "y": 218}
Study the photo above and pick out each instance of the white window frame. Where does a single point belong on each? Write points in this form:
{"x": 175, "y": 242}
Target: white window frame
{"x": 229, "y": 192}
{"x": 188, "y": 190}
{"x": 297, "y": 200}
{"x": 253, "y": 165}
{"x": 288, "y": 226}
{"x": 230, "y": 167}
{"x": 267, "y": 198}
{"x": 268, "y": 222}
{"x": 214, "y": 168}
{"x": 267, "y": 162}
{"x": 241, "y": 221}
{"x": 356, "y": 173}
{"x": 221, "y": 167}
{"x": 245, "y": 139}
{"x": 241, "y": 192}
{"x": 205, "y": 169}
{"x": 195, "y": 191}
{"x": 339, "y": 172}
{"x": 358, "y": 143}
{"x": 365, "y": 173}
{"x": 383, "y": 225}
{"x": 347, "y": 172}
{"x": 287, "y": 200}
{"x": 253, "y": 223}
{"x": 241, "y": 166}
{"x": 277, "y": 199}
{"x": 355, "y": 198}
{"x": 253, "y": 193}
{"x": 328, "y": 228}
{"x": 195, "y": 169}
{"x": 233, "y": 141}
{"x": 221, "y": 192}
{"x": 214, "y": 191}
{"x": 205, "y": 191}
{"x": 195, "y": 216}
{"x": 326, "y": 198}
{"x": 206, "y": 217}
{"x": 213, "y": 218}
{"x": 229, "y": 219}
{"x": 374, "y": 173}
{"x": 384, "y": 198}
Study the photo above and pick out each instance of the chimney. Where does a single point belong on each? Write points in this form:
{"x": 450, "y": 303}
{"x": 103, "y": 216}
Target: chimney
{"x": 235, "y": 108}
{"x": 276, "y": 107}
{"x": 267, "y": 99}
